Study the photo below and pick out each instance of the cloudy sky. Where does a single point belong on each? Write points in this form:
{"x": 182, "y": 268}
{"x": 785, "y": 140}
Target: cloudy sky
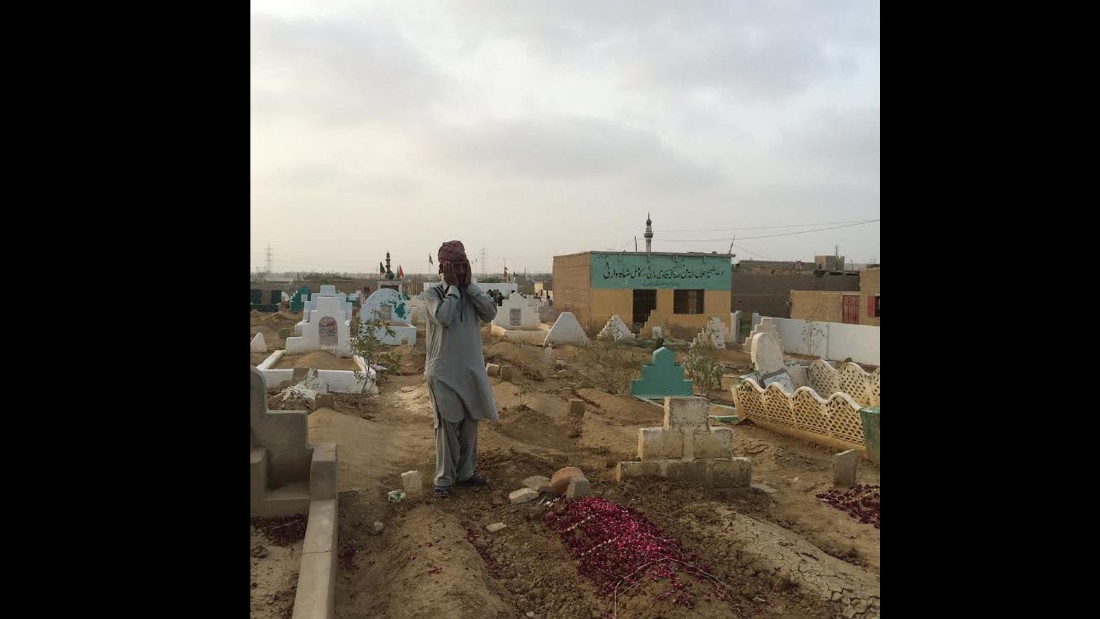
{"x": 535, "y": 129}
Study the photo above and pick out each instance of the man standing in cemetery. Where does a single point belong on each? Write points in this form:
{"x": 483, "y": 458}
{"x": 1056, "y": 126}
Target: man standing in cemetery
{"x": 455, "y": 369}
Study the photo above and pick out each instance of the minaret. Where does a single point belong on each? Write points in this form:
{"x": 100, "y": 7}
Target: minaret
{"x": 648, "y": 234}
{"x": 389, "y": 273}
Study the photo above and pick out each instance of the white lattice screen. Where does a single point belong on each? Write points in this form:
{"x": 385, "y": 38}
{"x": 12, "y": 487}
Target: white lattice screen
{"x": 850, "y": 379}
{"x": 836, "y": 417}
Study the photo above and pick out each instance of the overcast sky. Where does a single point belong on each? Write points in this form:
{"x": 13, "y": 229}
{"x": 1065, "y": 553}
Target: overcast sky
{"x": 535, "y": 129}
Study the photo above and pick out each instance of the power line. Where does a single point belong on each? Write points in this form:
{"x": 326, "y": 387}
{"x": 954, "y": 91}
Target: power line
{"x": 751, "y": 252}
{"x": 825, "y": 223}
{"x": 768, "y": 236}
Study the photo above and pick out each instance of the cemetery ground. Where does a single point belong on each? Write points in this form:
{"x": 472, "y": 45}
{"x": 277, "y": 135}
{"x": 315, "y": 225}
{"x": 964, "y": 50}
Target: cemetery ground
{"x": 779, "y": 552}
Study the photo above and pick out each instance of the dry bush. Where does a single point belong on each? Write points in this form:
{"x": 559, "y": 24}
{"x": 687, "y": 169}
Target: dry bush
{"x": 702, "y": 365}
{"x": 610, "y": 365}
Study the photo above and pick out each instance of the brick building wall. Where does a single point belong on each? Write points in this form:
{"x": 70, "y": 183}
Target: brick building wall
{"x": 768, "y": 294}
{"x": 572, "y": 289}
{"x": 817, "y": 305}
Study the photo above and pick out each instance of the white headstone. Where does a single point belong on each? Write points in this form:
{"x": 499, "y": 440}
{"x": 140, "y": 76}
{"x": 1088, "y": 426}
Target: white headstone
{"x": 616, "y": 330}
{"x": 769, "y": 325}
{"x": 566, "y": 330}
{"x": 312, "y": 333}
{"x": 717, "y": 332}
{"x": 516, "y": 313}
{"x": 766, "y": 355}
{"x": 389, "y": 304}
{"x": 258, "y": 344}
{"x": 328, "y": 290}
{"x": 766, "y": 324}
{"x": 394, "y": 307}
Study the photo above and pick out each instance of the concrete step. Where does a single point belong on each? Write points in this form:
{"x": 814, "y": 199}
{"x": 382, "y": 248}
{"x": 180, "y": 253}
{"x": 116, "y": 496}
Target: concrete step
{"x": 286, "y": 500}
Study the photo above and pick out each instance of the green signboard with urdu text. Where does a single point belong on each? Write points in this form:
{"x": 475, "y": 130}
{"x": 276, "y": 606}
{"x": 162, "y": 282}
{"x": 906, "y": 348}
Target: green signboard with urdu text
{"x": 684, "y": 272}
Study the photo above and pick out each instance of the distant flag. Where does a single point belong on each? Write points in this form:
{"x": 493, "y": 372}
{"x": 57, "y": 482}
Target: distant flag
{"x": 505, "y": 273}
{"x": 400, "y": 272}
{"x": 381, "y": 269}
{"x": 430, "y": 259}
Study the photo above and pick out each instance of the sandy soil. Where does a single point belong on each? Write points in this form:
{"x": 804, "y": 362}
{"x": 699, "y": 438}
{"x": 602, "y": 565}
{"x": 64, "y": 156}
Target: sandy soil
{"x": 783, "y": 555}
{"x": 276, "y": 554}
{"x": 318, "y": 360}
{"x": 269, "y": 325}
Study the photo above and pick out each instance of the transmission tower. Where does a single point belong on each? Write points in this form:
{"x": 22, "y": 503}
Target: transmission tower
{"x": 483, "y": 263}
{"x": 269, "y": 259}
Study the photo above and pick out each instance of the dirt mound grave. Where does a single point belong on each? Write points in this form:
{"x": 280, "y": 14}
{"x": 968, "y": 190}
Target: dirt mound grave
{"x": 317, "y": 360}
{"x": 422, "y": 566}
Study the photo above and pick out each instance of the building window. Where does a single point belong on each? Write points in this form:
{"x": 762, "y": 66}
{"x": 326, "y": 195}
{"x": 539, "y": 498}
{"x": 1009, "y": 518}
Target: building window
{"x": 876, "y": 305}
{"x": 687, "y": 302}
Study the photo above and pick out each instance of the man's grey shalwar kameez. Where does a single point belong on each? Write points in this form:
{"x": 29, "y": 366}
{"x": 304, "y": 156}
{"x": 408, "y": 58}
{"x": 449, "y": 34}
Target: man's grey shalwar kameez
{"x": 455, "y": 371}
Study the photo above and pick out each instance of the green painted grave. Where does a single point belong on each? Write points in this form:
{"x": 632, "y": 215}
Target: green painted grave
{"x": 663, "y": 377}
